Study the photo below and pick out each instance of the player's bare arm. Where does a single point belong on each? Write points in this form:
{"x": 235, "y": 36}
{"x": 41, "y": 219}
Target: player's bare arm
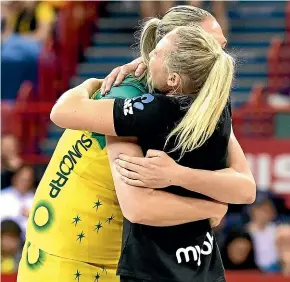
{"x": 234, "y": 185}
{"x": 156, "y": 207}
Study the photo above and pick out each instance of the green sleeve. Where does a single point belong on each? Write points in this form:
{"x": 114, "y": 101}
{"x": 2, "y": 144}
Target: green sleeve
{"x": 129, "y": 88}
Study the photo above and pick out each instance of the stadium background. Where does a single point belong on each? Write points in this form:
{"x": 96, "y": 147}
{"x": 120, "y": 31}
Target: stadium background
{"x": 88, "y": 39}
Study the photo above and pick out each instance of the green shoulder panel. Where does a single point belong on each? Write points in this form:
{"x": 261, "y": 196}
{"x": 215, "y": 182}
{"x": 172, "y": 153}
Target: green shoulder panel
{"x": 129, "y": 88}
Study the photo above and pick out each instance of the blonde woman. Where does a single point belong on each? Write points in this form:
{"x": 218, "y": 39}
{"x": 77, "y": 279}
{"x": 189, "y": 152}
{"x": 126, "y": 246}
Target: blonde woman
{"x": 193, "y": 123}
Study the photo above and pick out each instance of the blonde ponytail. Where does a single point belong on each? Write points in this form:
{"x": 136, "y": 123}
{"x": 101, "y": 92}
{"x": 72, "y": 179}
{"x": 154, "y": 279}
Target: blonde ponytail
{"x": 148, "y": 39}
{"x": 201, "y": 119}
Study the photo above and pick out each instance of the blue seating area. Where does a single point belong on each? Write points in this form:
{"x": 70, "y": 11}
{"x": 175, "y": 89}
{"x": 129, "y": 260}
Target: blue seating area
{"x": 19, "y": 62}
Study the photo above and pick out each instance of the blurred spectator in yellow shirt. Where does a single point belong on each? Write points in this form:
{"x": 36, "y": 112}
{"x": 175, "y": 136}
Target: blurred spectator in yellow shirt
{"x": 34, "y": 19}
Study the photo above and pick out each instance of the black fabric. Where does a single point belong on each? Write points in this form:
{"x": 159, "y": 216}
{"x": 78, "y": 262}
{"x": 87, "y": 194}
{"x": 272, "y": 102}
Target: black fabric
{"x": 129, "y": 279}
{"x": 6, "y": 178}
{"x": 159, "y": 253}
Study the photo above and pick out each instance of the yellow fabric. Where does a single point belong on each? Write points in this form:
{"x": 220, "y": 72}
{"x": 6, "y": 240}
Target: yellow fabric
{"x": 75, "y": 213}
{"x": 44, "y": 13}
{"x": 7, "y": 265}
{"x": 39, "y": 266}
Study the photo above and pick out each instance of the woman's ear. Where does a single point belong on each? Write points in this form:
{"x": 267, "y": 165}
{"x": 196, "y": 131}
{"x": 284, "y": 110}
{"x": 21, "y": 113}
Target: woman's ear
{"x": 174, "y": 80}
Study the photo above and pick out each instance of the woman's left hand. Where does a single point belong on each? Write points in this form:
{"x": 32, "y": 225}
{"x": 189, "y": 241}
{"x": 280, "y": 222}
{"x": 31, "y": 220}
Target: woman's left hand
{"x": 156, "y": 170}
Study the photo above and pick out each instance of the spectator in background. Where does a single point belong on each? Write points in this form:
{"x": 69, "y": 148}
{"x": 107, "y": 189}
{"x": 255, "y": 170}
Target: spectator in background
{"x": 8, "y": 9}
{"x": 238, "y": 253}
{"x": 16, "y": 200}
{"x": 263, "y": 231}
{"x": 10, "y": 159}
{"x": 33, "y": 19}
{"x": 219, "y": 10}
{"x": 283, "y": 246}
{"x": 155, "y": 8}
{"x": 28, "y": 24}
{"x": 11, "y": 244}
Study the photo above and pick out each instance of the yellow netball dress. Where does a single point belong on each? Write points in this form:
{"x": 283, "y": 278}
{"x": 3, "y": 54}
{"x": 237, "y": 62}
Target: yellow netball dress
{"x": 75, "y": 227}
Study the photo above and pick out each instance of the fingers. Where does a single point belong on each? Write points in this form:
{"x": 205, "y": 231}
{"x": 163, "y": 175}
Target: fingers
{"x": 136, "y": 183}
{"x": 103, "y": 87}
{"x": 134, "y": 160}
{"x": 109, "y": 80}
{"x": 126, "y": 69}
{"x": 140, "y": 69}
{"x": 118, "y": 74}
{"x": 129, "y": 174}
{"x": 154, "y": 153}
{"x": 130, "y": 166}
{"x": 122, "y": 75}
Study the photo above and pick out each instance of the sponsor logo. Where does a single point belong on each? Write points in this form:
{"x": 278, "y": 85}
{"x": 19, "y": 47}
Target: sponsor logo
{"x": 129, "y": 104}
{"x": 194, "y": 252}
{"x": 67, "y": 164}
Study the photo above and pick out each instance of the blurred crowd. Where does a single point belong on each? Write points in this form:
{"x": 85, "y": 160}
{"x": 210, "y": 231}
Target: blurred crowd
{"x": 26, "y": 28}
{"x": 260, "y": 242}
{"x": 31, "y": 19}
{"x": 17, "y": 192}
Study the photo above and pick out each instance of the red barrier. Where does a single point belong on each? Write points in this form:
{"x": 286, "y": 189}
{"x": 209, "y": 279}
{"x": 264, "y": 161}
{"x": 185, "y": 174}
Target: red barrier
{"x": 32, "y": 118}
{"x": 273, "y": 64}
{"x": 8, "y": 277}
{"x": 257, "y": 95}
{"x": 256, "y": 120}
{"x": 269, "y": 161}
{"x": 242, "y": 276}
{"x": 75, "y": 30}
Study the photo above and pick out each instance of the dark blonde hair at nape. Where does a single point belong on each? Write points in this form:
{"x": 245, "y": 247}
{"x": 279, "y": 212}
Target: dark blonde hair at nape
{"x": 208, "y": 71}
{"x": 155, "y": 29}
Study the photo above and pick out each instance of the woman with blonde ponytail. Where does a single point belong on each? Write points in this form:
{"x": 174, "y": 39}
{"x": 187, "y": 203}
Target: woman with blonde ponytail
{"x": 212, "y": 94}
{"x": 193, "y": 123}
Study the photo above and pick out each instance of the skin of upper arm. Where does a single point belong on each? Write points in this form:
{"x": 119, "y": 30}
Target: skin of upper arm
{"x": 135, "y": 201}
{"x": 128, "y": 196}
{"x": 236, "y": 157}
{"x": 84, "y": 114}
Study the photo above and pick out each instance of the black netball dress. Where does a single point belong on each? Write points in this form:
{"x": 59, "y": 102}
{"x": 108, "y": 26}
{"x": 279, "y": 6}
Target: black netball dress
{"x": 182, "y": 253}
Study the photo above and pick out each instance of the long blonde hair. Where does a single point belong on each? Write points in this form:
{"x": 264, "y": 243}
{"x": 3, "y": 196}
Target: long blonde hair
{"x": 155, "y": 29}
{"x": 207, "y": 70}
